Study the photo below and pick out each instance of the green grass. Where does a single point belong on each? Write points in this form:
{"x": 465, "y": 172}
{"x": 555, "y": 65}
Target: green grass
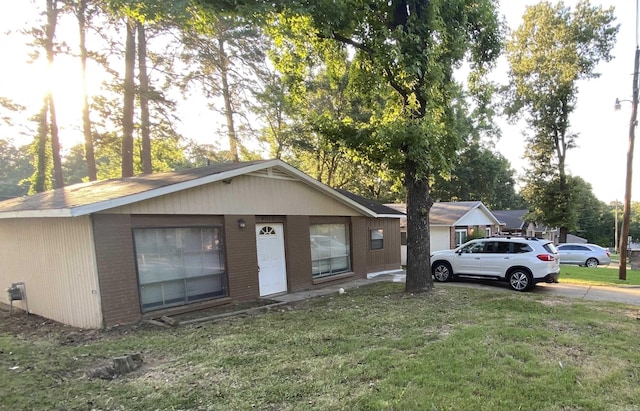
{"x": 602, "y": 275}
{"x": 373, "y": 348}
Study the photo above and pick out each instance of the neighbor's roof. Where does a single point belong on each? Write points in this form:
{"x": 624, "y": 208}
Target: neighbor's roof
{"x": 95, "y": 196}
{"x": 511, "y": 219}
{"x": 448, "y": 213}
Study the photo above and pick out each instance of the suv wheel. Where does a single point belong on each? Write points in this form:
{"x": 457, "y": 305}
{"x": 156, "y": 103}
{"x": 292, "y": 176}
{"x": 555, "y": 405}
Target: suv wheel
{"x": 442, "y": 272}
{"x": 520, "y": 280}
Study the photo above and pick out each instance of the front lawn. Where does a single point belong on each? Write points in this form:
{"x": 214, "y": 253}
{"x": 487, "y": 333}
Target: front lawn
{"x": 602, "y": 275}
{"x": 373, "y": 348}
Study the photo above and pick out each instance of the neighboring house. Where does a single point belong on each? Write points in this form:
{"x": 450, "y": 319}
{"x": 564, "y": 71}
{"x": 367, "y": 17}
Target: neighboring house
{"x": 113, "y": 252}
{"x": 575, "y": 239}
{"x": 452, "y": 223}
{"x": 514, "y": 222}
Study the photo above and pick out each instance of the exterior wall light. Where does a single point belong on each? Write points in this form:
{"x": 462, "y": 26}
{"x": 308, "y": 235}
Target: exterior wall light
{"x": 241, "y": 223}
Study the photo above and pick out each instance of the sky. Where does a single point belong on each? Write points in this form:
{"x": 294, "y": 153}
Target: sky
{"x": 600, "y": 157}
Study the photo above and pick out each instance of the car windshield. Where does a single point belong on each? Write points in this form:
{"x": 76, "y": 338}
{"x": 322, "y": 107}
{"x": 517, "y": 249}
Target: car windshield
{"x": 551, "y": 248}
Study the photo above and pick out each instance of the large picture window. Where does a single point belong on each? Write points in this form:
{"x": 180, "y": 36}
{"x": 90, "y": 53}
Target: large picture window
{"x": 179, "y": 265}
{"x": 330, "y": 251}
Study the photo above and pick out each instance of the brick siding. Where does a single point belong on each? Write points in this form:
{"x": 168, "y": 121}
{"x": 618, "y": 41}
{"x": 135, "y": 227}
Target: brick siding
{"x": 116, "y": 265}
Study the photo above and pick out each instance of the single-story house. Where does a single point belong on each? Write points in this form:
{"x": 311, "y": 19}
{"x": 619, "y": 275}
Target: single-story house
{"x": 514, "y": 222}
{"x": 452, "y": 223}
{"x": 104, "y": 253}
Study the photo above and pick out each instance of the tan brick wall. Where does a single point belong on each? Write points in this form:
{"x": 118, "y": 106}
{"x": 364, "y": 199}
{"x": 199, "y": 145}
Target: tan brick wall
{"x": 242, "y": 261}
{"x": 116, "y": 269}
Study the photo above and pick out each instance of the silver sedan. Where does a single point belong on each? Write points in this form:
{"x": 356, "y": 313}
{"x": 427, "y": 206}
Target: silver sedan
{"x": 588, "y": 255}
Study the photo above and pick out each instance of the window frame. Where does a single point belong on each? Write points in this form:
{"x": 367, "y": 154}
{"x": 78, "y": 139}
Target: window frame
{"x": 323, "y": 242}
{"x": 378, "y": 242}
{"x": 191, "y": 290}
{"x": 464, "y": 232}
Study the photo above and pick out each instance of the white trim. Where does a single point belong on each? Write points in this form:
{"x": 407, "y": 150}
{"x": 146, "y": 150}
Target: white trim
{"x": 390, "y": 216}
{"x": 377, "y": 273}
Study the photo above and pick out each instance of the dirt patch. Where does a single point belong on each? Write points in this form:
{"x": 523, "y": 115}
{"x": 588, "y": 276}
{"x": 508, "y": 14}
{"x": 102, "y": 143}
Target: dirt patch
{"x": 20, "y": 325}
{"x": 225, "y": 311}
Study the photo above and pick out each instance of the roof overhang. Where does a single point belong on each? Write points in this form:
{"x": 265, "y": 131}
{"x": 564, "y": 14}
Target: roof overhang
{"x": 196, "y": 182}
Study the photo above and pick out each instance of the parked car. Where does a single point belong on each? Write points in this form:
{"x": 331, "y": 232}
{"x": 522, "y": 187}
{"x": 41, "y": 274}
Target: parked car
{"x": 588, "y": 255}
{"x": 521, "y": 261}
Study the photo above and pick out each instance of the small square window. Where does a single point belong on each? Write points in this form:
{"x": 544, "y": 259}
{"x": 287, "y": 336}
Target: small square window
{"x": 377, "y": 239}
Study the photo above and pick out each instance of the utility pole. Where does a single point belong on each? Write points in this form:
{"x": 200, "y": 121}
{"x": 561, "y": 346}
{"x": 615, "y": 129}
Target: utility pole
{"x": 626, "y": 212}
{"x": 615, "y": 232}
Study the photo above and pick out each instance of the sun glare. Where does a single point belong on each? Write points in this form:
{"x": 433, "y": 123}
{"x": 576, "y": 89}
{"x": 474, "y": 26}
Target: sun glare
{"x": 26, "y": 82}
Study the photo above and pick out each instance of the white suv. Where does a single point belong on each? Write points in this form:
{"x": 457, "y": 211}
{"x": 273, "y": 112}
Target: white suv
{"x": 521, "y": 261}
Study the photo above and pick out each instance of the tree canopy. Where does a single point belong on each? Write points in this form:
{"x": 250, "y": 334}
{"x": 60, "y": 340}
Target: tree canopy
{"x": 549, "y": 53}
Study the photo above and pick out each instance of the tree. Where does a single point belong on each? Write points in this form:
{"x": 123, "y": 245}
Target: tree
{"x": 548, "y": 54}
{"x": 15, "y": 169}
{"x": 479, "y": 174}
{"x": 89, "y": 154}
{"x": 410, "y": 48}
{"x": 595, "y": 221}
{"x": 47, "y": 144}
{"x": 225, "y": 58}
{"x": 128, "y": 99}
{"x": 143, "y": 79}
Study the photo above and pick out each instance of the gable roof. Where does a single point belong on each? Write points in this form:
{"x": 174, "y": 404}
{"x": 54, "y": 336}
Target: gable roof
{"x": 511, "y": 219}
{"x": 86, "y": 198}
{"x": 449, "y": 213}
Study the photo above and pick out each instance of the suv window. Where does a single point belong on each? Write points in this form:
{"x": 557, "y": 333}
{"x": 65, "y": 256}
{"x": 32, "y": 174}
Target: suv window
{"x": 550, "y": 248}
{"x": 473, "y": 248}
{"x": 497, "y": 247}
{"x": 522, "y": 248}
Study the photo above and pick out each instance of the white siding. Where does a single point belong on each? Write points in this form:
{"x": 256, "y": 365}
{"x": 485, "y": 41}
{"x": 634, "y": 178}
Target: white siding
{"x": 440, "y": 238}
{"x": 55, "y": 259}
{"x": 475, "y": 217}
{"x": 251, "y": 195}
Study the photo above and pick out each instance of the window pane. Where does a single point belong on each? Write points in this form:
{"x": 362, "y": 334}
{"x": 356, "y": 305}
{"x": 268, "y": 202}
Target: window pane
{"x": 377, "y": 239}
{"x": 179, "y": 265}
{"x": 330, "y": 253}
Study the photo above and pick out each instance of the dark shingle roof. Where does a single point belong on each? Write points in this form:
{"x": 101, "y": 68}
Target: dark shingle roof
{"x": 450, "y": 212}
{"x": 372, "y": 205}
{"x": 512, "y": 219}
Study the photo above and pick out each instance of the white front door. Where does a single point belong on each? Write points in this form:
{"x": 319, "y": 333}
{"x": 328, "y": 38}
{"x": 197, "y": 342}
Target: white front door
{"x": 272, "y": 269}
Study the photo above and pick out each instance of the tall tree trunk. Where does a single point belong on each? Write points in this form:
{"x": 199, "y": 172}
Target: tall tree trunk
{"x": 143, "y": 79}
{"x": 564, "y": 190}
{"x": 55, "y": 145}
{"x": 129, "y": 99}
{"x": 89, "y": 151}
{"x": 419, "y": 204}
{"x": 52, "y": 21}
{"x": 226, "y": 94}
{"x": 40, "y": 174}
